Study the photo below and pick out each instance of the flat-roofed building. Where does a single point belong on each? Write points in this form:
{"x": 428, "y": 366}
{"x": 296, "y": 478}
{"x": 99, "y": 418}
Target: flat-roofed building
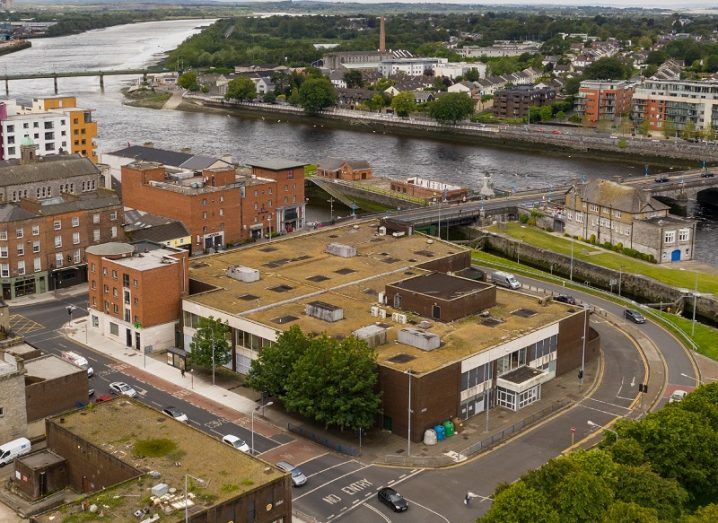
{"x": 604, "y": 100}
{"x": 52, "y": 386}
{"x": 108, "y": 454}
{"x": 442, "y": 328}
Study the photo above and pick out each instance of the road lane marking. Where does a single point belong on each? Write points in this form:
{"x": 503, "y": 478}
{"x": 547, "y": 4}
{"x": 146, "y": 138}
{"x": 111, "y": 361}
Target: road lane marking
{"x": 333, "y": 466}
{"x": 427, "y": 509}
{"x": 376, "y": 510}
{"x": 608, "y": 403}
{"x": 332, "y": 481}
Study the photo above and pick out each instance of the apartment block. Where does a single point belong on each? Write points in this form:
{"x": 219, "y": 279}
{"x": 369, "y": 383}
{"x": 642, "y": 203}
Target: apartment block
{"x": 516, "y": 101}
{"x": 603, "y": 100}
{"x": 83, "y": 129}
{"x": 220, "y": 206}
{"x": 676, "y": 103}
{"x": 622, "y": 214}
{"x": 409, "y": 66}
{"x": 135, "y": 292}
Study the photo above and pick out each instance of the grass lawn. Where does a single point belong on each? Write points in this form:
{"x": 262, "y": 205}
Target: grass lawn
{"x": 589, "y": 253}
{"x": 705, "y": 335}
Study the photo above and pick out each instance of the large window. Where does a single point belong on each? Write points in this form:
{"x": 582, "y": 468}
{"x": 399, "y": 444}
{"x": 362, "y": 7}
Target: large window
{"x": 511, "y": 361}
{"x": 476, "y": 376}
{"x": 114, "y": 329}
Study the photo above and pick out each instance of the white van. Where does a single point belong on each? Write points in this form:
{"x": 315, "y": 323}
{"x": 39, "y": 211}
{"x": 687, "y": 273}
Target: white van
{"x": 505, "y": 279}
{"x": 78, "y": 360}
{"x": 13, "y": 449}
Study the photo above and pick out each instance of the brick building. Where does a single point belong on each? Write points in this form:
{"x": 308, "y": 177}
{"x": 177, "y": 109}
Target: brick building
{"x": 621, "y": 214}
{"x": 220, "y": 206}
{"x": 603, "y": 100}
{"x": 516, "y": 101}
{"x": 466, "y": 345}
{"x": 12, "y": 398}
{"x": 50, "y": 211}
{"x": 348, "y": 170}
{"x": 429, "y": 190}
{"x": 135, "y": 292}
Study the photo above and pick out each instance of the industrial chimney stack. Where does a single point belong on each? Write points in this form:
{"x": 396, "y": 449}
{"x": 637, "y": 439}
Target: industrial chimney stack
{"x": 382, "y": 36}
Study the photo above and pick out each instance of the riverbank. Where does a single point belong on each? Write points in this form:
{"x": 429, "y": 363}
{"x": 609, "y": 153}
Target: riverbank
{"x": 546, "y": 143}
{"x": 147, "y": 98}
{"x": 13, "y": 46}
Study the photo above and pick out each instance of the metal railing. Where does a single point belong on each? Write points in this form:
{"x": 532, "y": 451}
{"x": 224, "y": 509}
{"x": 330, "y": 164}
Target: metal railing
{"x": 323, "y": 440}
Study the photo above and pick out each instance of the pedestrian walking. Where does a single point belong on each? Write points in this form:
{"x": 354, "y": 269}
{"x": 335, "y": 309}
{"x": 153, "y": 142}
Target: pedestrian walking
{"x": 182, "y": 371}
{"x": 467, "y": 499}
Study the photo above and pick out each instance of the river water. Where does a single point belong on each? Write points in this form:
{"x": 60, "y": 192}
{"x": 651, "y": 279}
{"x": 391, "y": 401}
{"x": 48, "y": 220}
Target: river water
{"x": 136, "y": 45}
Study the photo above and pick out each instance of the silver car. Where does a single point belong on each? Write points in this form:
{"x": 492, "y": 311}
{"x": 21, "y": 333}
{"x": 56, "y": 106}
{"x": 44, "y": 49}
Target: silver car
{"x": 298, "y": 477}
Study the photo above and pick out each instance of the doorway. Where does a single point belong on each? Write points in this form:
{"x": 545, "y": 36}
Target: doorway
{"x": 676, "y": 255}
{"x": 128, "y": 337}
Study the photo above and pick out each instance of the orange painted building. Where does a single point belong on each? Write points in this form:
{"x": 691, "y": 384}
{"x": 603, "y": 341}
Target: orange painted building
{"x": 603, "y": 100}
{"x": 83, "y": 129}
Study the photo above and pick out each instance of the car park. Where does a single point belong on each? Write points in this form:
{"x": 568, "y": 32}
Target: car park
{"x": 565, "y": 298}
{"x": 677, "y": 396}
{"x": 392, "y": 499}
{"x": 634, "y": 316}
{"x": 707, "y": 174}
{"x": 175, "y": 413}
{"x": 236, "y": 442}
{"x": 298, "y": 477}
{"x": 123, "y": 389}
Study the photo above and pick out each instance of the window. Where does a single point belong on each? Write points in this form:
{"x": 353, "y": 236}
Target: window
{"x": 96, "y": 218}
{"x": 19, "y": 233}
{"x": 135, "y": 283}
{"x": 4, "y": 270}
{"x": 105, "y": 289}
{"x": 115, "y": 308}
{"x": 21, "y": 267}
{"x": 579, "y": 217}
{"x": 36, "y": 246}
{"x": 3, "y": 251}
{"x": 75, "y": 238}
{"x": 36, "y": 230}
{"x": 58, "y": 260}
{"x": 75, "y": 221}
{"x": 93, "y": 284}
{"x": 114, "y": 274}
{"x": 204, "y": 201}
{"x": 3, "y": 235}
{"x": 104, "y": 271}
{"x": 37, "y": 264}
{"x": 58, "y": 242}
{"x": 20, "y": 249}
{"x": 669, "y": 236}
{"x": 57, "y": 225}
{"x": 127, "y": 315}
{"x": 616, "y": 213}
{"x": 113, "y": 232}
{"x": 593, "y": 207}
{"x": 125, "y": 280}
{"x": 204, "y": 215}
{"x": 683, "y": 235}
{"x": 221, "y": 212}
{"x": 126, "y": 297}
{"x": 114, "y": 292}
{"x": 114, "y": 329}
{"x": 77, "y": 256}
{"x": 113, "y": 215}
{"x": 96, "y": 235}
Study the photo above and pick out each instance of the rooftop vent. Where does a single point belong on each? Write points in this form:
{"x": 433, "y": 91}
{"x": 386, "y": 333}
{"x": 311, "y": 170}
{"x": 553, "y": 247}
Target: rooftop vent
{"x": 401, "y": 358}
{"x": 268, "y": 249}
{"x": 198, "y": 265}
{"x": 276, "y": 263}
{"x": 421, "y": 340}
{"x": 317, "y": 278}
{"x": 344, "y": 271}
{"x": 491, "y": 322}
{"x": 281, "y": 320}
{"x": 281, "y": 288}
{"x": 390, "y": 260}
{"x": 425, "y": 253}
{"x": 248, "y": 297}
{"x": 524, "y": 313}
{"x": 324, "y": 311}
{"x": 241, "y": 273}
{"x": 342, "y": 250}
{"x": 374, "y": 335}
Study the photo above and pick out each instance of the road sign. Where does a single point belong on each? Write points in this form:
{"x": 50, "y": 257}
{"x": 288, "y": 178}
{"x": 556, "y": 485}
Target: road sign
{"x": 573, "y": 429}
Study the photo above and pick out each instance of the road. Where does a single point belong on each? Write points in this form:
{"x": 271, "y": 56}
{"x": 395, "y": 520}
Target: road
{"x": 344, "y": 489}
{"x": 40, "y": 325}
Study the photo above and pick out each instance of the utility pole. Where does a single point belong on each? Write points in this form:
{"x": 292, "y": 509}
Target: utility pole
{"x": 408, "y": 414}
{"x": 331, "y": 208}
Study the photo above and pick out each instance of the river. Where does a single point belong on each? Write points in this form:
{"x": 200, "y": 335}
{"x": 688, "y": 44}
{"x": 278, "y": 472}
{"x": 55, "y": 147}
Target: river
{"x": 136, "y": 45}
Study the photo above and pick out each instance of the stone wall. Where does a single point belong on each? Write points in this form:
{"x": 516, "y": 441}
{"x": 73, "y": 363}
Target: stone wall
{"x": 13, "y": 423}
{"x": 639, "y": 287}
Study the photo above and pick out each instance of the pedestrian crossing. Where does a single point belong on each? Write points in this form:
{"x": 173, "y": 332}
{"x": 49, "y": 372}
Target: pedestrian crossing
{"x": 22, "y": 325}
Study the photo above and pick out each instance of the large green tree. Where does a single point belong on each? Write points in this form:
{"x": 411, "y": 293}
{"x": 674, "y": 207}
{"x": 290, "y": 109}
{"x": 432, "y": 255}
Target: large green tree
{"x": 404, "y": 103}
{"x": 317, "y": 94}
{"x": 334, "y": 383}
{"x": 210, "y": 344}
{"x": 519, "y": 503}
{"x": 270, "y": 372}
{"x": 354, "y": 78}
{"x": 451, "y": 108}
{"x": 188, "y": 81}
{"x": 241, "y": 88}
{"x": 607, "y": 68}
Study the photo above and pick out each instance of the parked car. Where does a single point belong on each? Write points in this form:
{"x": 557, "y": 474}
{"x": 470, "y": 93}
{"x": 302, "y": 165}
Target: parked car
{"x": 175, "y": 413}
{"x": 298, "y": 477}
{"x": 13, "y": 449}
{"x": 634, "y": 316}
{"x": 122, "y": 388}
{"x": 677, "y": 396}
{"x": 236, "y": 442}
{"x": 565, "y": 298}
{"x": 103, "y": 397}
{"x": 392, "y": 499}
{"x": 662, "y": 179}
{"x": 707, "y": 174}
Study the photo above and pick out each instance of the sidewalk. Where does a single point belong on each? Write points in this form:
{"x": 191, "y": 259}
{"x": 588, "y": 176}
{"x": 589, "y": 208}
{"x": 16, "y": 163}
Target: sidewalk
{"x": 58, "y": 294}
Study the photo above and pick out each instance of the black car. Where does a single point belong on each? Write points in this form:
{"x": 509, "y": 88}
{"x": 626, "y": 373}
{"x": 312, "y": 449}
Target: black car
{"x": 565, "y": 298}
{"x": 706, "y": 175}
{"x": 634, "y": 316}
{"x": 662, "y": 179}
{"x": 392, "y": 499}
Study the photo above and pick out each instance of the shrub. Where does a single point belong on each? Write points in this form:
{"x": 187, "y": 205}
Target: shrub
{"x": 592, "y": 239}
{"x": 524, "y": 218}
{"x": 154, "y": 448}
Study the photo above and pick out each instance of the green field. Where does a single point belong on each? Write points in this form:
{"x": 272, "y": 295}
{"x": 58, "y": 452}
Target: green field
{"x": 685, "y": 279}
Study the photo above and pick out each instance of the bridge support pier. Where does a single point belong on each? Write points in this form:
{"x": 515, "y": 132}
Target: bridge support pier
{"x": 102, "y": 82}
{"x": 55, "y": 80}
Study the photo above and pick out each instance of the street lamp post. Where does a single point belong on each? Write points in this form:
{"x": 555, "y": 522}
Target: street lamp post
{"x": 408, "y": 416}
{"x": 70, "y": 309}
{"x": 213, "y": 382}
{"x": 268, "y": 404}
{"x": 186, "y": 490}
{"x": 583, "y": 349}
{"x": 331, "y": 209}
